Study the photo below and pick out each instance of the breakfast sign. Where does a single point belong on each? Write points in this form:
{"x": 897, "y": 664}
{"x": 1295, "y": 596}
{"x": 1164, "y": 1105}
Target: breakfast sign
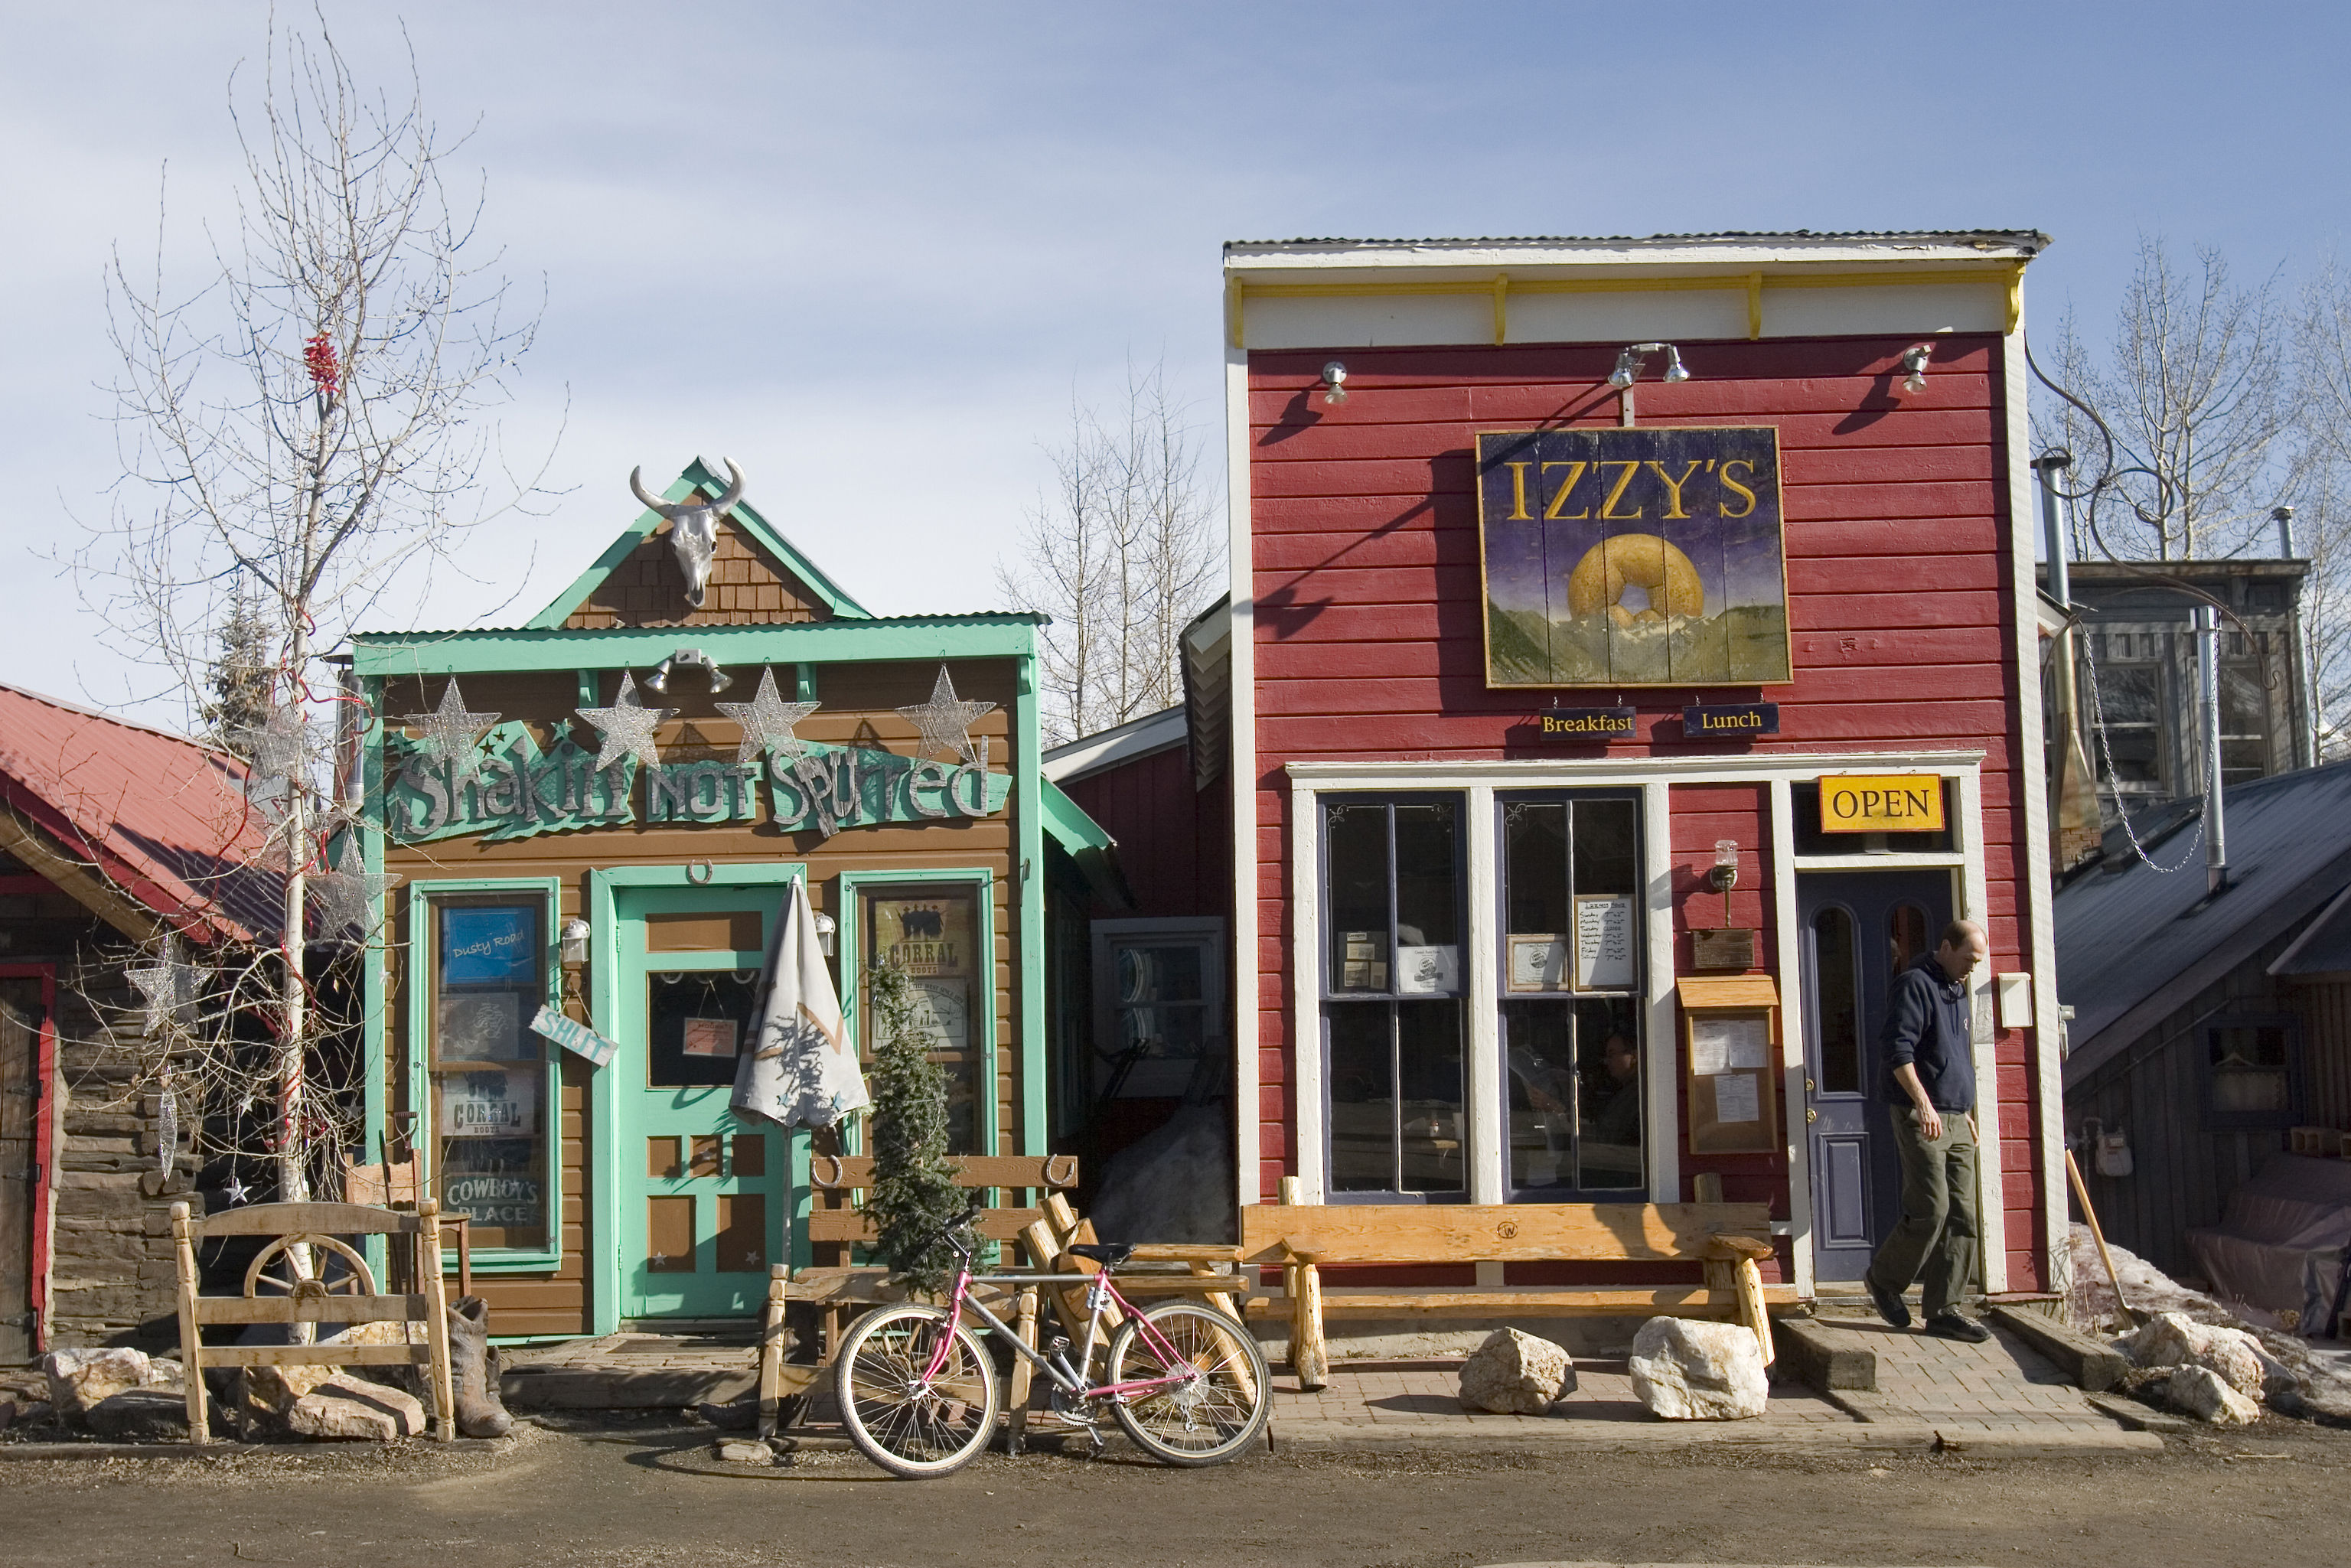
{"x": 523, "y": 790}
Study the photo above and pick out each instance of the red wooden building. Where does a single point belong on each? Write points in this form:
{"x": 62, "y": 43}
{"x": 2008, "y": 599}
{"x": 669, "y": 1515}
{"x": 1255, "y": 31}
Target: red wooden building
{"x": 1506, "y": 691}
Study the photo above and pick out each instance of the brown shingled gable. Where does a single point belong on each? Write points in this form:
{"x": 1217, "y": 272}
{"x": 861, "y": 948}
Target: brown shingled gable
{"x": 747, "y": 588}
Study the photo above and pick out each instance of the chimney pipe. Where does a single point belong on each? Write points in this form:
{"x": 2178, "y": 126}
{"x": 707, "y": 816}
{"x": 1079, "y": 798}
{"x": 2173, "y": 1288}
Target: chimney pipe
{"x": 2284, "y": 519}
{"x": 2056, "y": 516}
{"x": 2208, "y": 680}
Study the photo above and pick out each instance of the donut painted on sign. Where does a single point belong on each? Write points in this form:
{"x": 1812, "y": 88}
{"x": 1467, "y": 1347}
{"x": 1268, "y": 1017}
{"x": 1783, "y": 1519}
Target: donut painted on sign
{"x": 1635, "y": 561}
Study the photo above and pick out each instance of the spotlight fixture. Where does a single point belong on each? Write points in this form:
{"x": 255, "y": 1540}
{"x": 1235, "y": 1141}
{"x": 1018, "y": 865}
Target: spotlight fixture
{"x": 1914, "y": 361}
{"x": 1334, "y": 376}
{"x": 1629, "y": 360}
{"x": 1628, "y": 365}
{"x": 1673, "y": 370}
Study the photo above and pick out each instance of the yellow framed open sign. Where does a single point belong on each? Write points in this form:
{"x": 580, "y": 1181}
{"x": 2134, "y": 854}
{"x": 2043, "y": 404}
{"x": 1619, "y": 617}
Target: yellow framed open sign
{"x": 1882, "y": 803}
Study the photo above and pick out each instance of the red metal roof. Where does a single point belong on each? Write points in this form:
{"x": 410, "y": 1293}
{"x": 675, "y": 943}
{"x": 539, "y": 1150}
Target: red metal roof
{"x": 161, "y": 816}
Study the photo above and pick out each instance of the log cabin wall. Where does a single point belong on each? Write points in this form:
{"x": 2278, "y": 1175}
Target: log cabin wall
{"x": 1358, "y": 579}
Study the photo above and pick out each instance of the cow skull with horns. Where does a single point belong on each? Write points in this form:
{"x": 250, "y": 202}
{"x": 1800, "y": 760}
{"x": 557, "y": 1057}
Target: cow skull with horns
{"x": 693, "y": 528}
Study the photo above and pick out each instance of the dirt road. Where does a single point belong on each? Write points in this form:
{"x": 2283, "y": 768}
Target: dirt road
{"x": 654, "y": 1495}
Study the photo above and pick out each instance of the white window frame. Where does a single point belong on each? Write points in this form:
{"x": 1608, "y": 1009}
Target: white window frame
{"x": 1215, "y": 1041}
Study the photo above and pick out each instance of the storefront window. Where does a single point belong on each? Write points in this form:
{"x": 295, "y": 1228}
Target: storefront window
{"x": 490, "y": 1087}
{"x": 1570, "y": 1024}
{"x": 1393, "y": 1013}
{"x": 931, "y": 932}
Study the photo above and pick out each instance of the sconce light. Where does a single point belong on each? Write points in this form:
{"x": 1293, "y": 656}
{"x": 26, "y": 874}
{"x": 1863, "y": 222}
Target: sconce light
{"x": 1725, "y": 875}
{"x": 1630, "y": 358}
{"x": 1334, "y": 376}
{"x": 687, "y": 658}
{"x": 573, "y": 938}
{"x": 825, "y": 927}
{"x": 1913, "y": 361}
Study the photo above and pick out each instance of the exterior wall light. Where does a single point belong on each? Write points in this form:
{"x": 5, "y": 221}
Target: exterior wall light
{"x": 574, "y": 940}
{"x": 1334, "y": 376}
{"x": 1725, "y": 875}
{"x": 825, "y": 927}
{"x": 1913, "y": 361}
{"x": 1629, "y": 360}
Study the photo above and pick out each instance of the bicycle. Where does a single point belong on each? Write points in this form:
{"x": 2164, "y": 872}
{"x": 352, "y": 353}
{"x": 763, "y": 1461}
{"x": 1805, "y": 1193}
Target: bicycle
{"x": 918, "y": 1392}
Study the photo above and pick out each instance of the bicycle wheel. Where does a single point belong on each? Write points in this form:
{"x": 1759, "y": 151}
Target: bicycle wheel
{"x": 1218, "y": 1399}
{"x": 912, "y": 1424}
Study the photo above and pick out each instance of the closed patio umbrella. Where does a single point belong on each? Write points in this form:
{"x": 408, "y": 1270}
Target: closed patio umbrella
{"x": 801, "y": 1068}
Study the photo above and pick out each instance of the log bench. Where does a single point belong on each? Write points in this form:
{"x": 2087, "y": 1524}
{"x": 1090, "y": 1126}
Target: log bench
{"x": 1726, "y": 1239}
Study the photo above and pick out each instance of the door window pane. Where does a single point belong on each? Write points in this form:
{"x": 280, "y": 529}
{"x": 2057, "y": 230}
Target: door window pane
{"x": 699, "y": 1021}
{"x": 1355, "y": 849}
{"x": 1906, "y": 935}
{"x": 1838, "y": 1006}
{"x": 933, "y": 933}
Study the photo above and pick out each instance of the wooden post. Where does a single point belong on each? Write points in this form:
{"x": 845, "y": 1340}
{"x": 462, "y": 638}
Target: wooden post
{"x": 436, "y": 1306}
{"x": 1308, "y": 1354}
{"x": 1016, "y": 1423}
{"x": 184, "y": 1262}
{"x": 1733, "y": 1282}
{"x": 1707, "y": 1187}
{"x": 771, "y": 1346}
{"x": 1750, "y": 1306}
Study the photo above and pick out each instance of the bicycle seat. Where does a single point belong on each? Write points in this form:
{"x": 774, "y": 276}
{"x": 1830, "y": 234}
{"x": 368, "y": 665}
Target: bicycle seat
{"x": 1109, "y": 1254}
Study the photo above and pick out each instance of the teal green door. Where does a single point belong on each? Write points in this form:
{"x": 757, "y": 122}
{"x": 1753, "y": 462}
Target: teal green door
{"x": 705, "y": 1198}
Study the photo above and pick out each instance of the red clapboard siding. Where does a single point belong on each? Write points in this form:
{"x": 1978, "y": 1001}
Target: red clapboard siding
{"x": 1369, "y": 635}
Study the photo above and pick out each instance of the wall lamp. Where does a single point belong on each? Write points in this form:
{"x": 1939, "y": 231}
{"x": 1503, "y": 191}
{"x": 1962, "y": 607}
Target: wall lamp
{"x": 1723, "y": 875}
{"x": 1334, "y": 376}
{"x": 1913, "y": 362}
{"x": 1628, "y": 368}
{"x": 687, "y": 659}
{"x": 825, "y": 927}
{"x": 574, "y": 941}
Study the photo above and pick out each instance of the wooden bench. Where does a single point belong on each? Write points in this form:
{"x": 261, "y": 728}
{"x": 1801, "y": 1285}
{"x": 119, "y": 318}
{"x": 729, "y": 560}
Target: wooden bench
{"x": 351, "y": 1299}
{"x": 1725, "y": 1238}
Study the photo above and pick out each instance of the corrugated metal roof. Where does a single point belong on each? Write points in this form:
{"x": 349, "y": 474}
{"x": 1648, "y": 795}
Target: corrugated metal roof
{"x": 2134, "y": 946}
{"x": 2033, "y": 239}
{"x": 975, "y": 618}
{"x": 2325, "y": 947}
{"x": 163, "y": 818}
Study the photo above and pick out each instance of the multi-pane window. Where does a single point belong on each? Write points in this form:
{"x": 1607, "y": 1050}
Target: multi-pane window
{"x": 1392, "y": 988}
{"x": 2244, "y": 722}
{"x": 1571, "y": 1023}
{"x": 489, "y": 1072}
{"x": 2249, "y": 1073}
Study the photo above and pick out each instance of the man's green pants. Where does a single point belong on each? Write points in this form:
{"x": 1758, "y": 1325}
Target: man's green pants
{"x": 1937, "y": 1236}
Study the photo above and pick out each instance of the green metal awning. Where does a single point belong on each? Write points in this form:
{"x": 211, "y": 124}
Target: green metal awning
{"x": 1083, "y": 840}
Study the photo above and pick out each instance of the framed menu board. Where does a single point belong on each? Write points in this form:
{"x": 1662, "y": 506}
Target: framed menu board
{"x": 1733, "y": 1070}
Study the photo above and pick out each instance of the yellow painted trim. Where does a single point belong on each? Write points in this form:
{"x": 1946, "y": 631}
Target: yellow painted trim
{"x": 2009, "y": 275}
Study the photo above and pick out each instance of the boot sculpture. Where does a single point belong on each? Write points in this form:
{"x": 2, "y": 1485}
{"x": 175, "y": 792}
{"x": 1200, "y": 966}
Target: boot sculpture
{"x": 479, "y": 1413}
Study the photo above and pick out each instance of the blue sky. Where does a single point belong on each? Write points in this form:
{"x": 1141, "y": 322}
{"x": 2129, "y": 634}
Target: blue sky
{"x": 870, "y": 251}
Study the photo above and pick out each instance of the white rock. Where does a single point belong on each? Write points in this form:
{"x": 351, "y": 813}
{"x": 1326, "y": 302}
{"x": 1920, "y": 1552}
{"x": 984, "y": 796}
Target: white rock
{"x": 79, "y": 1379}
{"x": 741, "y": 1452}
{"x": 2203, "y": 1394}
{"x": 1516, "y": 1374}
{"x": 1695, "y": 1371}
{"x": 345, "y": 1406}
{"x": 268, "y": 1394}
{"x": 2175, "y": 1339}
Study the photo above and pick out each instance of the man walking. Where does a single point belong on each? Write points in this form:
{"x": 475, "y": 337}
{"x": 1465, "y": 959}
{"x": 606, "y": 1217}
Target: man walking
{"x": 1932, "y": 1081}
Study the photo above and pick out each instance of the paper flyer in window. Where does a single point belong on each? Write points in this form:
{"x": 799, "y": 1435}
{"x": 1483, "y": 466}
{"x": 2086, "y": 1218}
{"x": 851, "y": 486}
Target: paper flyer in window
{"x": 710, "y": 1036}
{"x": 1603, "y": 944}
{"x": 1538, "y": 963}
{"x": 489, "y": 1105}
{"x": 1729, "y": 1045}
{"x": 942, "y": 1013}
{"x": 484, "y": 1025}
{"x": 1427, "y": 971}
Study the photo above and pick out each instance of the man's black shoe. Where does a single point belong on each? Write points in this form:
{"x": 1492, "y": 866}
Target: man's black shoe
{"x": 1950, "y": 1325}
{"x": 1890, "y": 1304}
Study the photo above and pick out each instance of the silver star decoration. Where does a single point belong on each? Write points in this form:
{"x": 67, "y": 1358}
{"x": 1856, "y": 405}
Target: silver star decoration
{"x": 627, "y": 727}
{"x": 454, "y": 736}
{"x": 351, "y": 895}
{"x": 275, "y": 747}
{"x": 233, "y": 1190}
{"x": 767, "y": 720}
{"x": 945, "y": 722}
{"x": 168, "y": 988}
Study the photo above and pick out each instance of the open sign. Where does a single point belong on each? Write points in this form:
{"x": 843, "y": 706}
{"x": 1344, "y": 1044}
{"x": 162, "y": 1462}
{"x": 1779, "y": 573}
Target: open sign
{"x": 1882, "y": 803}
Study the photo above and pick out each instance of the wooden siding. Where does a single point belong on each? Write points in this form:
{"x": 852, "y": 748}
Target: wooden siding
{"x": 1368, "y": 624}
{"x": 748, "y": 587}
{"x": 2325, "y": 1008}
{"x": 1173, "y": 840}
{"x": 859, "y": 699}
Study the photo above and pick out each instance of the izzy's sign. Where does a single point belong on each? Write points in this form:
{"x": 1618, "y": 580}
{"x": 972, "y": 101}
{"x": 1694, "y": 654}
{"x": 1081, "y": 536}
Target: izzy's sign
{"x": 825, "y": 788}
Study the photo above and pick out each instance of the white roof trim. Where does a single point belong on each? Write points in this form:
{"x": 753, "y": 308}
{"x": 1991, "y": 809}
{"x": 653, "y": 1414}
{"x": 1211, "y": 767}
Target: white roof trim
{"x": 1137, "y": 738}
{"x": 1730, "y": 255}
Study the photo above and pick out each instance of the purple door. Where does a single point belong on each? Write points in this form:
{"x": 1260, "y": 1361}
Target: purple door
{"x": 1859, "y": 930}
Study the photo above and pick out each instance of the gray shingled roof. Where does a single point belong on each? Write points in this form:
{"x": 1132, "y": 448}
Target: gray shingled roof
{"x": 2136, "y": 945}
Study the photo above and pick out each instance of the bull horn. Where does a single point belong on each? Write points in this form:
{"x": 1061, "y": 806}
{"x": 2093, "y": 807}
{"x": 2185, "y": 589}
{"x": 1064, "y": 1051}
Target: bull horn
{"x": 655, "y": 503}
{"x": 733, "y": 487}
